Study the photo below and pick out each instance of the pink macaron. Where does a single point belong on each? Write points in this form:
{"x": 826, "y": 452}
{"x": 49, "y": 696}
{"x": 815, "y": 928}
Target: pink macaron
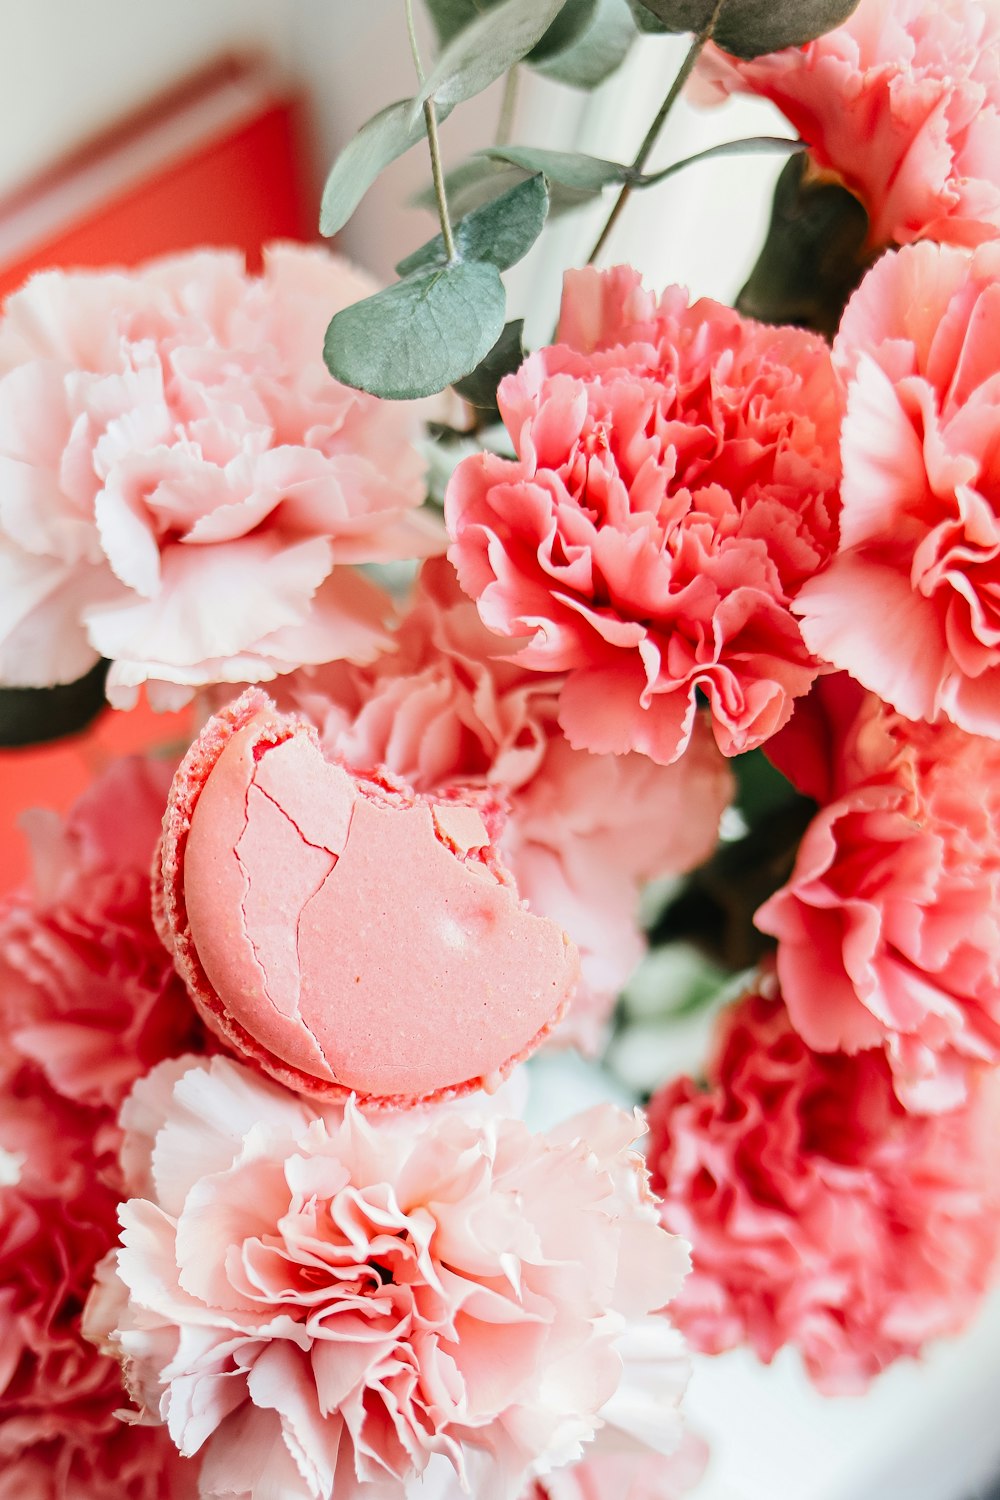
{"x": 342, "y": 932}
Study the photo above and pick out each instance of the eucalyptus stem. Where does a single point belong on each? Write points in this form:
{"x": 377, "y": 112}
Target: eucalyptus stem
{"x": 642, "y": 155}
{"x": 414, "y": 45}
{"x": 433, "y": 141}
{"x": 437, "y": 172}
{"x": 508, "y": 107}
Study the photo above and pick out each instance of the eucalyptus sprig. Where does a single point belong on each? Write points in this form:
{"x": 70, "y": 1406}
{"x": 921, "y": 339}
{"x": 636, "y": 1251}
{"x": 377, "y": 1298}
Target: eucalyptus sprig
{"x": 445, "y": 315}
{"x": 443, "y": 322}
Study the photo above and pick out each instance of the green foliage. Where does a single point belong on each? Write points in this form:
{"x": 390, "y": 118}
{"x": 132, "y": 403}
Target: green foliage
{"x": 584, "y": 175}
{"x": 572, "y": 22}
{"x": 418, "y": 335}
{"x": 379, "y": 141}
{"x": 749, "y": 28}
{"x": 585, "y": 42}
{"x": 596, "y": 52}
{"x": 451, "y": 16}
{"x": 32, "y": 716}
{"x": 471, "y": 184}
{"x": 751, "y": 146}
{"x": 760, "y": 787}
{"x": 644, "y": 18}
{"x": 485, "y": 49}
{"x": 480, "y": 387}
{"x": 814, "y": 255}
{"x": 501, "y": 231}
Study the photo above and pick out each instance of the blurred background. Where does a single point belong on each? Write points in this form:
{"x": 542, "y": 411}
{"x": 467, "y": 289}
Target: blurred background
{"x": 128, "y": 129}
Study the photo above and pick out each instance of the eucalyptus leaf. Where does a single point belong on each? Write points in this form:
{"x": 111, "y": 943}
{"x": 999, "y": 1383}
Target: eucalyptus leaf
{"x": 572, "y": 22}
{"x": 485, "y": 49}
{"x": 479, "y": 387}
{"x": 379, "y": 141}
{"x": 452, "y": 16}
{"x": 471, "y": 184}
{"x": 586, "y": 175}
{"x": 481, "y": 179}
{"x": 501, "y": 232}
{"x": 814, "y": 255}
{"x": 597, "y": 52}
{"x": 750, "y": 28}
{"x": 418, "y": 335}
{"x": 32, "y": 716}
{"x": 644, "y": 18}
{"x": 752, "y": 145}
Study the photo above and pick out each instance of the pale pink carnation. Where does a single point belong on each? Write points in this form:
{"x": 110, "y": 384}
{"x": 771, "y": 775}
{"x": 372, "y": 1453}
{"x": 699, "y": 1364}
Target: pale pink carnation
{"x": 88, "y": 994}
{"x": 59, "y": 1436}
{"x": 181, "y": 480}
{"x": 821, "y": 1214}
{"x": 675, "y": 484}
{"x": 902, "y": 103}
{"x": 889, "y": 926}
{"x": 585, "y": 832}
{"x": 910, "y": 604}
{"x": 323, "y": 1304}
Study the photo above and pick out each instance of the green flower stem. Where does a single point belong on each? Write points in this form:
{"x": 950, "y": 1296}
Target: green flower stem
{"x": 652, "y": 134}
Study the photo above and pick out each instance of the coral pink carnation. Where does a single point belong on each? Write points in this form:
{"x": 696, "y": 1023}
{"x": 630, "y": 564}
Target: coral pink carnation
{"x": 675, "y": 483}
{"x": 316, "y": 1301}
{"x": 910, "y": 605}
{"x": 181, "y": 477}
{"x": 902, "y": 103}
{"x": 889, "y": 927}
{"x": 820, "y": 1213}
{"x": 88, "y": 994}
{"x": 59, "y": 1436}
{"x": 585, "y": 831}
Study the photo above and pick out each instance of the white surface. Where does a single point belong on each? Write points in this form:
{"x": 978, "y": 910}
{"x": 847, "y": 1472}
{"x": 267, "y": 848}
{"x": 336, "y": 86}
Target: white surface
{"x": 926, "y": 1430}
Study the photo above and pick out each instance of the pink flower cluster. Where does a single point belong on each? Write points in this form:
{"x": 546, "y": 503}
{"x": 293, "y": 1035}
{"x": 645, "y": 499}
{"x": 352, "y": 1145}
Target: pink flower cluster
{"x": 182, "y": 478}
{"x": 820, "y": 1212}
{"x": 889, "y": 927}
{"x": 88, "y": 996}
{"x": 675, "y": 485}
{"x": 910, "y": 604}
{"x": 89, "y": 1001}
{"x": 59, "y": 1436}
{"x": 315, "y": 1303}
{"x": 451, "y": 707}
{"x": 902, "y": 103}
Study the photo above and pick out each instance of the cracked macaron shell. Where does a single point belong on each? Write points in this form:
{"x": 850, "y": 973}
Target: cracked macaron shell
{"x": 343, "y": 932}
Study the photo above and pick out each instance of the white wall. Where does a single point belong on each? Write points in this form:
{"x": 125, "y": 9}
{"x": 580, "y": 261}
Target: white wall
{"x": 70, "y": 67}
